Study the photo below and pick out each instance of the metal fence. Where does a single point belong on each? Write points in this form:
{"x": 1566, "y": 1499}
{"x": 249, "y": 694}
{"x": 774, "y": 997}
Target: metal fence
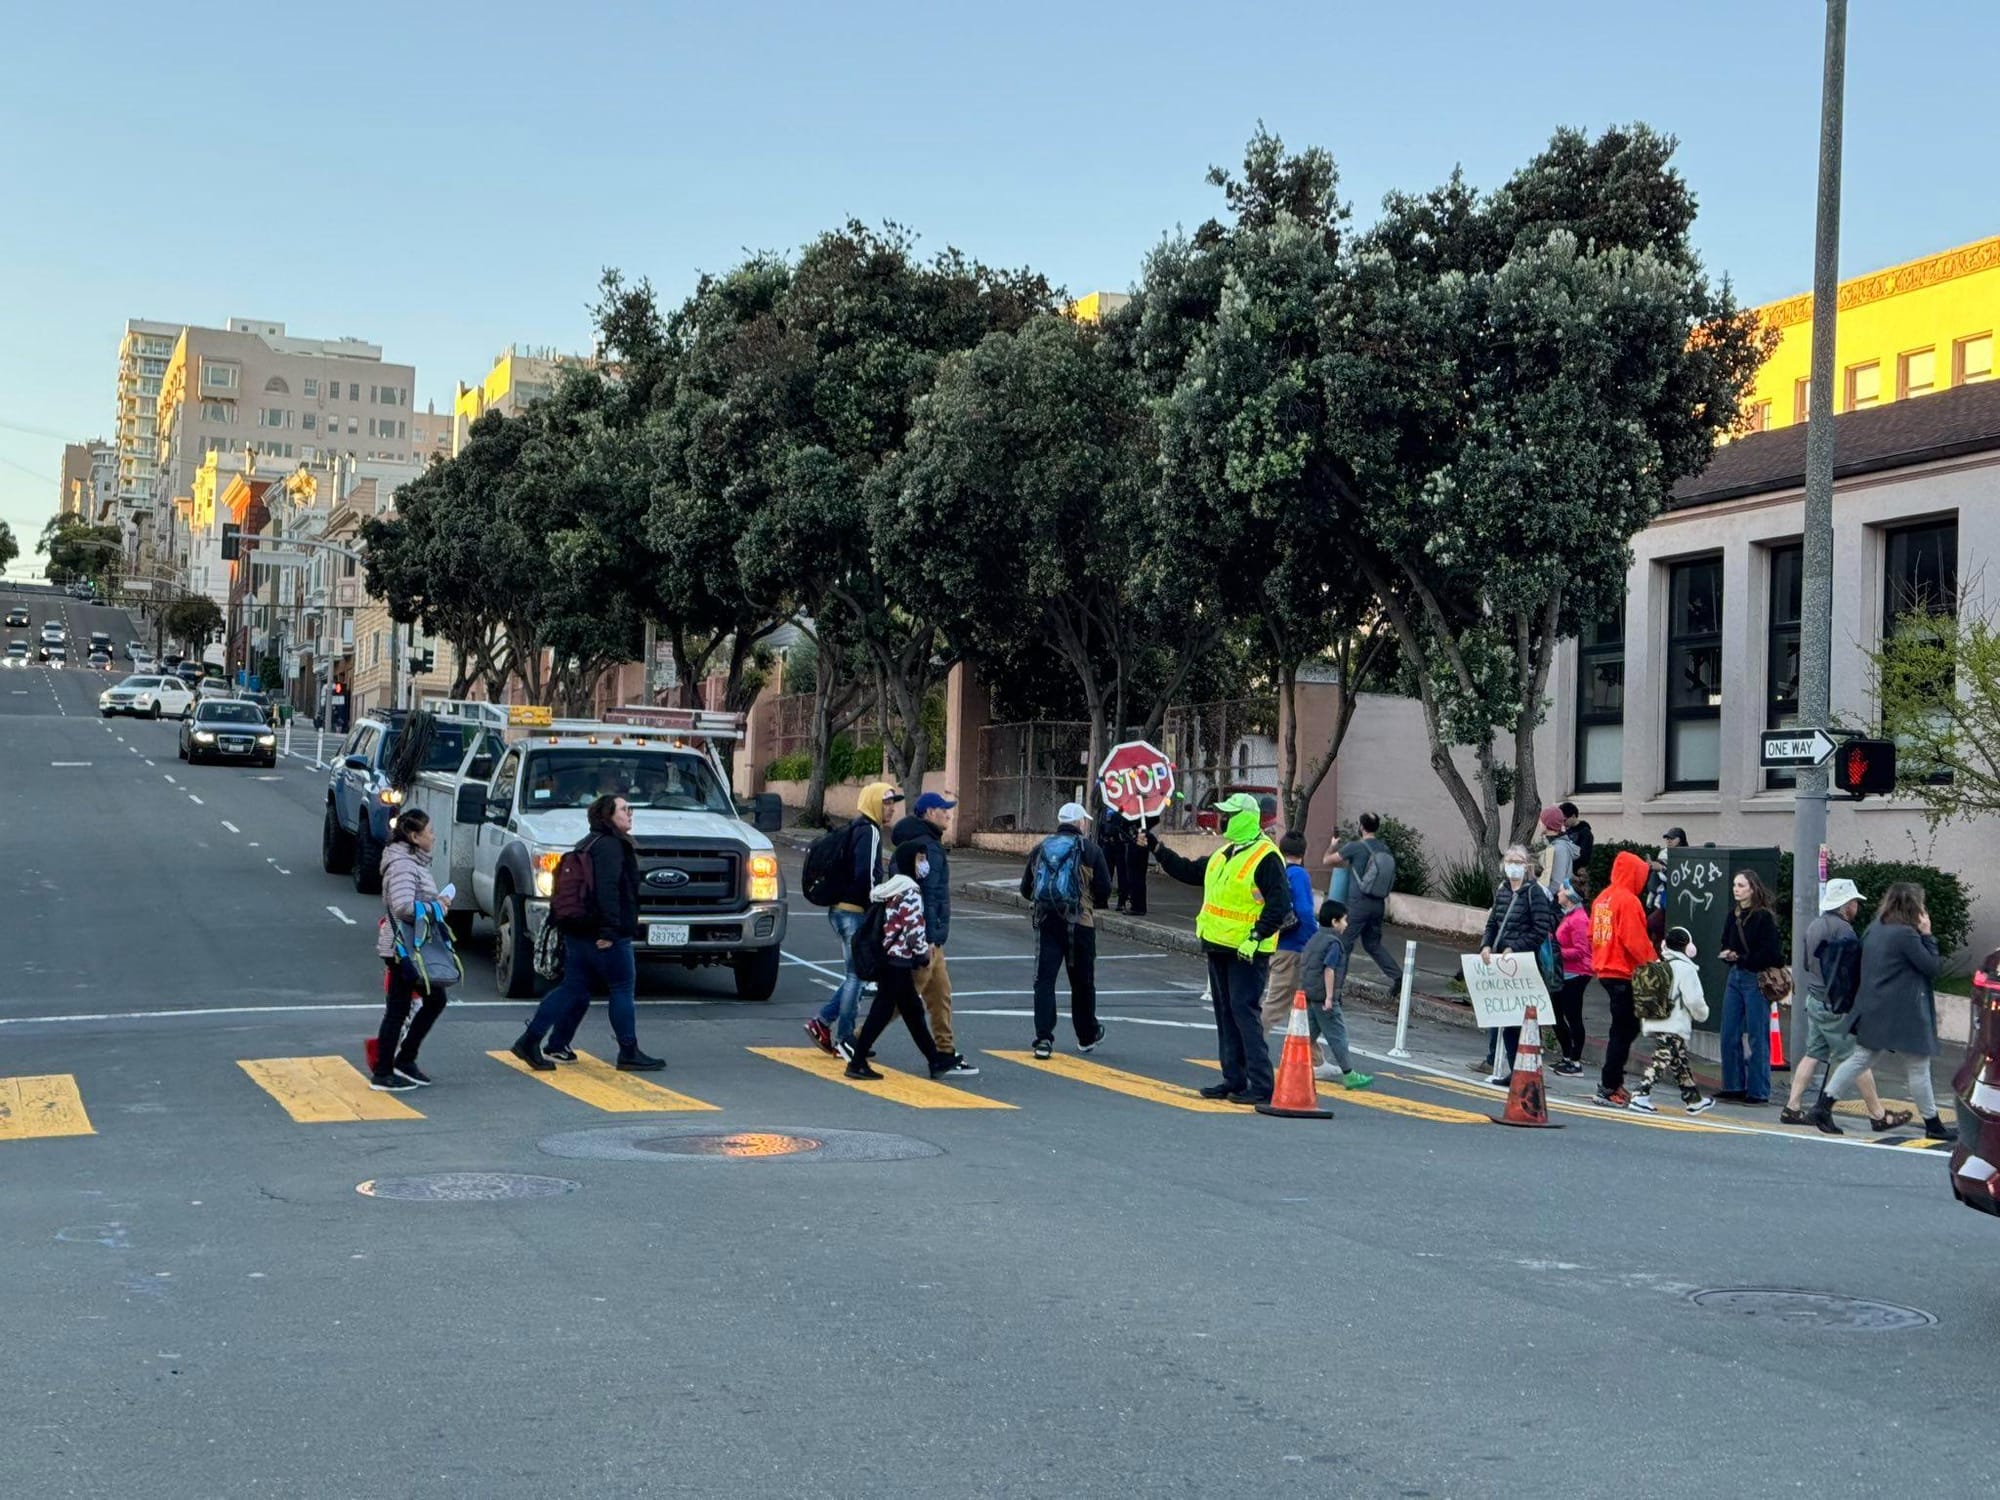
{"x": 1232, "y": 742}
{"x": 1029, "y": 770}
{"x": 792, "y": 725}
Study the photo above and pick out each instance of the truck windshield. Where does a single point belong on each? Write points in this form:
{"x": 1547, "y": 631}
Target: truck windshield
{"x": 447, "y": 746}
{"x": 672, "y": 781}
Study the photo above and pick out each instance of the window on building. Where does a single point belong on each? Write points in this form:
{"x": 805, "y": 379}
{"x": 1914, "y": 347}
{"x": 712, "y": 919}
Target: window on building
{"x": 276, "y": 384}
{"x": 1600, "y": 705}
{"x": 374, "y": 395}
{"x": 218, "y": 411}
{"x": 402, "y": 432}
{"x": 1781, "y": 661}
{"x": 1916, "y": 373}
{"x": 1758, "y": 418}
{"x": 1864, "y": 385}
{"x": 1801, "y": 400}
{"x": 309, "y": 421}
{"x": 219, "y": 377}
{"x": 353, "y": 390}
{"x": 353, "y": 426}
{"x": 312, "y": 387}
{"x": 1972, "y": 359}
{"x": 375, "y": 649}
{"x": 1919, "y": 579}
{"x": 1694, "y": 675}
{"x": 274, "y": 416}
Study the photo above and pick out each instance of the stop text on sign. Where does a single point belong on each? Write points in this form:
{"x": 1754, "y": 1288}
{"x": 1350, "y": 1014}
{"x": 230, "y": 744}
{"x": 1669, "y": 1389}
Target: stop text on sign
{"x": 1137, "y": 779}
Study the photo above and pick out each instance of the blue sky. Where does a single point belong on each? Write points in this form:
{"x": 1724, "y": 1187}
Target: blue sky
{"x": 446, "y": 180}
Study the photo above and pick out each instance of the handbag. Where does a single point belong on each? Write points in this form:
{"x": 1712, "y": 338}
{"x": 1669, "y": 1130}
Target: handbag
{"x": 1776, "y": 984}
{"x": 426, "y": 951}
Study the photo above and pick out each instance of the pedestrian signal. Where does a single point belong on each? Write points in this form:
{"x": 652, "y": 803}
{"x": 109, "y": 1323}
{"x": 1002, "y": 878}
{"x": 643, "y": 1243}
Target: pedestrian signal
{"x": 1865, "y": 768}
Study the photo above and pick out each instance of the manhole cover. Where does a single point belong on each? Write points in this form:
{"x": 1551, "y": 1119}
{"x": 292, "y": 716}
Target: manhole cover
{"x": 742, "y": 1143}
{"x": 466, "y": 1187}
{"x": 1813, "y": 1309}
{"x": 697, "y": 1143}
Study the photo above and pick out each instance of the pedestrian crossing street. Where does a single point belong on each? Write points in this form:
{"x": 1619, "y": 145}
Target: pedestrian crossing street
{"x": 330, "y": 1089}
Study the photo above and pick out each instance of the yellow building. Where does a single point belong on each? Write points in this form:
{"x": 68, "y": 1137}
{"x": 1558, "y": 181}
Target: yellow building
{"x": 1906, "y": 331}
{"x": 1096, "y": 306}
{"x": 519, "y": 376}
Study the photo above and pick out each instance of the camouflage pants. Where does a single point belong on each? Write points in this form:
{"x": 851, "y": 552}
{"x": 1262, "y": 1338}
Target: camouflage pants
{"x": 1670, "y": 1055}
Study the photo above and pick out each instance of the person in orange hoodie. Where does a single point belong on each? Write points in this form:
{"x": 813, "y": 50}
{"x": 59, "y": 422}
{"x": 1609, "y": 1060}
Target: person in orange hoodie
{"x": 1618, "y": 945}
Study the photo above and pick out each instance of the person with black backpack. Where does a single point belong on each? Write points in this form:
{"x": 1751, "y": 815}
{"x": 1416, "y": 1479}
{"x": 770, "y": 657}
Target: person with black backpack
{"x": 1832, "y": 980}
{"x": 1372, "y": 876}
{"x": 596, "y": 901}
{"x": 1067, "y": 880}
{"x": 841, "y": 868}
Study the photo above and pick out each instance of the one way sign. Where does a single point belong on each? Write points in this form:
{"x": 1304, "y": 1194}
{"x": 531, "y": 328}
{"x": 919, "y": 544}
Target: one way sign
{"x": 1789, "y": 748}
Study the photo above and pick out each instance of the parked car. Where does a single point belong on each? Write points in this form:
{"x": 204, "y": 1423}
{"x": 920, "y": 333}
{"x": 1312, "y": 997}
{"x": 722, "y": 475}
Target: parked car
{"x": 212, "y": 687}
{"x": 189, "y": 672}
{"x": 1975, "y": 1160}
{"x": 134, "y": 650}
{"x": 147, "y": 698}
{"x": 1267, "y": 797}
{"x": 359, "y": 800}
{"x": 228, "y": 729}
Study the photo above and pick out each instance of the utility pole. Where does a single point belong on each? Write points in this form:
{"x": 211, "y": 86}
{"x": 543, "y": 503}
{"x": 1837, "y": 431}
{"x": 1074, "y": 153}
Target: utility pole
{"x": 1816, "y": 587}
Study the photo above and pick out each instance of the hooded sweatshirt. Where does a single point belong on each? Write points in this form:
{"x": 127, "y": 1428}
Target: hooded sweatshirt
{"x": 406, "y": 880}
{"x": 1573, "y": 938}
{"x": 1618, "y": 941}
{"x": 904, "y": 942}
{"x": 867, "y": 855}
{"x": 1689, "y": 1001}
{"x": 933, "y": 876}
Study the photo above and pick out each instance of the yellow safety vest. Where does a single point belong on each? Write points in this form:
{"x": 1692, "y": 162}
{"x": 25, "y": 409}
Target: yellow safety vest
{"x": 1230, "y": 900}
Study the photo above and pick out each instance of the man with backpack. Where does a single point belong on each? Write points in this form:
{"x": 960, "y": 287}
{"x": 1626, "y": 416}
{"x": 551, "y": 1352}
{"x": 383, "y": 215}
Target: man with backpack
{"x": 1067, "y": 880}
{"x": 1372, "y": 876}
{"x": 841, "y": 868}
{"x": 1832, "y": 980}
{"x": 1246, "y": 901}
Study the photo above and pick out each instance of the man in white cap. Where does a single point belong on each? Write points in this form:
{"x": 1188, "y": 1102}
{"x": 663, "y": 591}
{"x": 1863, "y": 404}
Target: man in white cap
{"x": 1832, "y": 974}
{"x": 1066, "y": 880}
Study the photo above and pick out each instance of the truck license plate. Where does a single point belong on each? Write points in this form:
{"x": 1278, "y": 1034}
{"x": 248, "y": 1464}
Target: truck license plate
{"x": 666, "y": 934}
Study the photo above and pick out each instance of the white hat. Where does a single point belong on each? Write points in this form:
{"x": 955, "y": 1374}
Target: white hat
{"x": 1072, "y": 812}
{"x": 1838, "y": 894}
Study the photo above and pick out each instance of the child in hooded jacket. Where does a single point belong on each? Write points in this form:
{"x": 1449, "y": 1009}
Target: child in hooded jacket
{"x": 1573, "y": 944}
{"x": 905, "y": 947}
{"x": 1670, "y": 1044}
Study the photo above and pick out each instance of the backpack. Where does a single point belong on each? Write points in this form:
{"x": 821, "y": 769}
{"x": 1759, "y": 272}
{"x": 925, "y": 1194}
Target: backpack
{"x": 1653, "y": 991}
{"x": 869, "y": 958}
{"x": 573, "y": 897}
{"x": 1548, "y": 958}
{"x": 1379, "y": 879}
{"x": 1058, "y": 887}
{"x": 1839, "y": 961}
{"x": 825, "y": 874}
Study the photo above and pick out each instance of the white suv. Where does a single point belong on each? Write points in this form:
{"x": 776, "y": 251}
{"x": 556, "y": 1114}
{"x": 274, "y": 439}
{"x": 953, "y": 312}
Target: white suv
{"x": 147, "y": 697}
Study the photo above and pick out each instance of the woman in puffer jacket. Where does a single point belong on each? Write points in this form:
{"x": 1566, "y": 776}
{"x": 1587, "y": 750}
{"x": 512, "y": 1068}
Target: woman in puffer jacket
{"x": 406, "y": 882}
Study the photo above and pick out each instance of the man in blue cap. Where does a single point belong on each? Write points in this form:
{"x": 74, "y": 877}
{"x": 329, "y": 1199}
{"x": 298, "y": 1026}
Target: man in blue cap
{"x": 926, "y": 827}
{"x": 1246, "y": 900}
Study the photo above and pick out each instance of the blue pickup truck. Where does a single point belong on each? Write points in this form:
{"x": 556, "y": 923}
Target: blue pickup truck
{"x": 360, "y": 799}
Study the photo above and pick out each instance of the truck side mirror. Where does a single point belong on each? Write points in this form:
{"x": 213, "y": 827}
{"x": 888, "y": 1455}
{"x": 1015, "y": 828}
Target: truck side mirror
{"x": 767, "y": 812}
{"x": 471, "y": 806}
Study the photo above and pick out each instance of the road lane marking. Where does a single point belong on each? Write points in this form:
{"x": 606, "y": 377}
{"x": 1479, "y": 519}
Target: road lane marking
{"x": 69, "y": 763}
{"x": 230, "y": 826}
{"x": 1497, "y": 1095}
{"x": 169, "y": 778}
{"x": 343, "y": 916}
{"x": 1390, "y": 1104}
{"x": 903, "y": 1088}
{"x": 45, "y": 1105}
{"x": 273, "y": 863}
{"x": 602, "y": 1086}
{"x": 806, "y": 963}
{"x": 196, "y": 800}
{"x": 323, "y": 1090}
{"x": 1134, "y": 1085}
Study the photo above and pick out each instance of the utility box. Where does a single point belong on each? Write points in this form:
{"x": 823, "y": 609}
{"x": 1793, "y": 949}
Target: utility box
{"x": 1698, "y": 892}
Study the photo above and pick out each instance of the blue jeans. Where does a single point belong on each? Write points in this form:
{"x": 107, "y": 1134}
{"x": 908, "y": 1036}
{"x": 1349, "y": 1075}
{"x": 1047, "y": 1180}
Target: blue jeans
{"x": 838, "y": 1012}
{"x": 1746, "y": 1014}
{"x": 586, "y": 967}
{"x": 1236, "y": 989}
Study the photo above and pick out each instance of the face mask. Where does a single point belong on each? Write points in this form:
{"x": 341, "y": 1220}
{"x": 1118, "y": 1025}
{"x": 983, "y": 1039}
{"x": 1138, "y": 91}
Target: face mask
{"x": 923, "y": 869}
{"x": 1243, "y": 827}
{"x": 1515, "y": 872}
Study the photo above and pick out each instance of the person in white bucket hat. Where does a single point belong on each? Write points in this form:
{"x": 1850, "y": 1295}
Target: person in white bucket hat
{"x": 1832, "y": 974}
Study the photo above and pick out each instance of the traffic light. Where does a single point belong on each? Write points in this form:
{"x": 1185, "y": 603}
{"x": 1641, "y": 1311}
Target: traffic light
{"x": 232, "y": 547}
{"x": 423, "y": 662}
{"x": 1865, "y": 768}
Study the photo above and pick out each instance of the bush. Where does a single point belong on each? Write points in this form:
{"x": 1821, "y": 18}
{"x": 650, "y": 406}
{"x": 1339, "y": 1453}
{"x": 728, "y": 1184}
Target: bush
{"x": 1413, "y": 866}
{"x": 845, "y": 761}
{"x": 797, "y": 767}
{"x": 1607, "y": 850}
{"x": 1466, "y": 882}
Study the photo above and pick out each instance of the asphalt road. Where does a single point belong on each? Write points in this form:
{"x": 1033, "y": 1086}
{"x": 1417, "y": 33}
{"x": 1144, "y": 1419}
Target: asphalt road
{"x": 1089, "y": 1292}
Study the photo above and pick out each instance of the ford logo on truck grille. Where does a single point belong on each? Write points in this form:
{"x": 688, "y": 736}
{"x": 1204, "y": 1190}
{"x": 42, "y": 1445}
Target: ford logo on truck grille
{"x": 667, "y": 879}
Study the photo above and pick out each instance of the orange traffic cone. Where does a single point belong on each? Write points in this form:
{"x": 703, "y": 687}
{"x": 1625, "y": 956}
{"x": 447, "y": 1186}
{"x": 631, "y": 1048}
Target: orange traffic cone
{"x": 1526, "y": 1102}
{"x": 1295, "y": 1095}
{"x": 1778, "y": 1062}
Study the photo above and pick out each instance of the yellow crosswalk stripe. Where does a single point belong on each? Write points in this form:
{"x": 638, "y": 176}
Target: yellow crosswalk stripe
{"x": 603, "y": 1087}
{"x": 1388, "y": 1104}
{"x": 1134, "y": 1085}
{"x": 323, "y": 1090}
{"x": 918, "y": 1093}
{"x": 1559, "y": 1106}
{"x": 44, "y": 1105}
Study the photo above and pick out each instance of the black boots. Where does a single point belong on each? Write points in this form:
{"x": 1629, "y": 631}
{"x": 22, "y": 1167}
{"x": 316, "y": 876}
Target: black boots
{"x": 1822, "y": 1116}
{"x": 528, "y": 1047}
{"x": 1936, "y": 1129}
{"x": 632, "y": 1060}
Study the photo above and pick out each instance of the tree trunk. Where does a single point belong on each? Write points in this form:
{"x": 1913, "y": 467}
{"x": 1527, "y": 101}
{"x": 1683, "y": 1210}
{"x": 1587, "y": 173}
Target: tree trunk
{"x": 1536, "y": 655}
{"x": 1289, "y": 802}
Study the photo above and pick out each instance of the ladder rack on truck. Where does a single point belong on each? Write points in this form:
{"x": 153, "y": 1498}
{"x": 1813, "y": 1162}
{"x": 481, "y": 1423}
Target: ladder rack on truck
{"x": 631, "y": 724}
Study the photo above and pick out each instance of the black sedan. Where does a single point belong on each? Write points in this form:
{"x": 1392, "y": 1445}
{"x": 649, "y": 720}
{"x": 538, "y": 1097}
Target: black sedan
{"x": 228, "y": 729}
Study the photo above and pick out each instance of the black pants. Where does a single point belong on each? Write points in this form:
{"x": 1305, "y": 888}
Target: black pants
{"x": 1569, "y": 1016}
{"x": 1236, "y": 991}
{"x": 1060, "y": 946}
{"x": 896, "y": 995}
{"x": 1624, "y": 1031}
{"x": 392, "y": 1044}
{"x": 1368, "y": 936}
{"x": 1132, "y": 860}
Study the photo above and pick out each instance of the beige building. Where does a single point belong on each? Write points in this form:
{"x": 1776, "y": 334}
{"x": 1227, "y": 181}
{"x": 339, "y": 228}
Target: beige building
{"x": 430, "y": 434}
{"x": 143, "y": 354}
{"x": 89, "y": 488}
{"x": 520, "y": 376}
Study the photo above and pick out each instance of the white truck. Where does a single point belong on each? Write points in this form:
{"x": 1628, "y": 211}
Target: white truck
{"x": 710, "y": 890}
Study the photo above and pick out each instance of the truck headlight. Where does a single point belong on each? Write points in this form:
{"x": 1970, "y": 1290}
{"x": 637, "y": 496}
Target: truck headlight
{"x": 763, "y": 877}
{"x": 545, "y": 872}
{"x": 391, "y": 797}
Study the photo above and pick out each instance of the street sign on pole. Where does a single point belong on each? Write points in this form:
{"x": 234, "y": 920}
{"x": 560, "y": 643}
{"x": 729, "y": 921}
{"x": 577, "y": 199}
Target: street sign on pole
{"x": 1789, "y": 748}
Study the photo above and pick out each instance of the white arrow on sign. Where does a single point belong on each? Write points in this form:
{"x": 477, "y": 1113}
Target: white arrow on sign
{"x": 1784, "y": 747}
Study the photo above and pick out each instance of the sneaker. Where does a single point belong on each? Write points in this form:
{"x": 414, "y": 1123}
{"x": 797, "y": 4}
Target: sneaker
{"x": 1568, "y": 1067}
{"x": 954, "y": 1067}
{"x": 632, "y": 1060}
{"x": 1044, "y": 1049}
{"x": 560, "y": 1054}
{"x": 1328, "y": 1072}
{"x": 1611, "y": 1098}
{"x": 857, "y": 1067}
{"x": 391, "y": 1083}
{"x": 1484, "y": 1065}
{"x": 1216, "y": 1091}
{"x": 1500, "y": 1078}
{"x": 414, "y": 1073}
{"x": 844, "y": 1051}
{"x": 1253, "y": 1100}
{"x": 1091, "y": 1045}
{"x": 1700, "y": 1106}
{"x": 530, "y": 1052}
{"x": 821, "y": 1034}
{"x": 1643, "y": 1102}
{"x": 1357, "y": 1080}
